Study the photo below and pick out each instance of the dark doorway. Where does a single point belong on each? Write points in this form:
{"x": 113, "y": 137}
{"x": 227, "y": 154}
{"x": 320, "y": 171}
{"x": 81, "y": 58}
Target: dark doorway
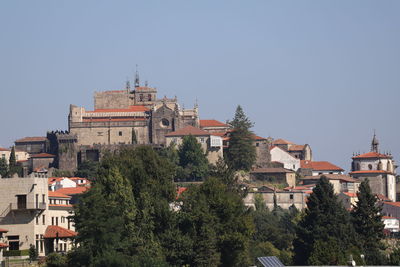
{"x": 21, "y": 202}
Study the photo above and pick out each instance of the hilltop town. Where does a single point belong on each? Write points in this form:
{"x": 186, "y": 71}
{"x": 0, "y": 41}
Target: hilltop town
{"x": 43, "y": 178}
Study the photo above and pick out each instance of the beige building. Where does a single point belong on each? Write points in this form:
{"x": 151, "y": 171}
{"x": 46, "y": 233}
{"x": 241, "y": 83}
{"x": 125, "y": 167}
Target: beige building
{"x": 274, "y": 176}
{"x": 288, "y": 160}
{"x": 378, "y": 168}
{"x": 19, "y": 155}
{"x": 340, "y": 182}
{"x": 34, "y": 216}
{"x": 211, "y": 144}
{"x": 284, "y": 198}
{"x": 302, "y": 152}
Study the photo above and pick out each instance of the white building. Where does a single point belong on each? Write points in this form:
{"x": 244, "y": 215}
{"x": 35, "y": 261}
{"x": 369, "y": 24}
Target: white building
{"x": 284, "y": 157}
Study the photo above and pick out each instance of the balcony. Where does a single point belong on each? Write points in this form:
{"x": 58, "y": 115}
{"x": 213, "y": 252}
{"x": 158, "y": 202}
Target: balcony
{"x": 21, "y": 206}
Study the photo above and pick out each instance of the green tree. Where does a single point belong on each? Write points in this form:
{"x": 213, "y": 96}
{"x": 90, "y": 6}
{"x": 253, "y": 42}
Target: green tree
{"x": 367, "y": 221}
{"x": 56, "y": 260}
{"x": 33, "y": 253}
{"x": 88, "y": 169}
{"x": 192, "y": 159}
{"x": 13, "y": 159}
{"x": 3, "y": 167}
{"x": 241, "y": 153}
{"x": 324, "y": 234}
{"x": 13, "y": 167}
{"x": 104, "y": 217}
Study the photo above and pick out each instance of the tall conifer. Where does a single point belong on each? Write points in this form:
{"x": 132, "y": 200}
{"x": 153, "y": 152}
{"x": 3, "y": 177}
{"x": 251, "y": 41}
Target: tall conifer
{"x": 367, "y": 221}
{"x": 325, "y": 234}
{"x": 241, "y": 153}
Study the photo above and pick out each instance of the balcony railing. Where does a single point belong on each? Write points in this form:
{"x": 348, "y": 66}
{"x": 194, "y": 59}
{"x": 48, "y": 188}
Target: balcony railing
{"x": 28, "y": 206}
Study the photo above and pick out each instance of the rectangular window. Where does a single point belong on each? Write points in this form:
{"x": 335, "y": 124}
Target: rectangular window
{"x": 3, "y": 156}
{"x": 291, "y": 196}
{"x": 41, "y": 245}
{"x": 201, "y": 139}
{"x": 120, "y": 133}
{"x": 37, "y": 220}
{"x": 56, "y": 220}
{"x": 13, "y": 242}
{"x": 37, "y": 201}
{"x": 43, "y": 220}
{"x": 43, "y": 198}
{"x": 52, "y": 220}
{"x": 21, "y": 201}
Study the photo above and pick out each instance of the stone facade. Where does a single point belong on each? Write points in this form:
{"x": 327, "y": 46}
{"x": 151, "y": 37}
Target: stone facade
{"x": 378, "y": 168}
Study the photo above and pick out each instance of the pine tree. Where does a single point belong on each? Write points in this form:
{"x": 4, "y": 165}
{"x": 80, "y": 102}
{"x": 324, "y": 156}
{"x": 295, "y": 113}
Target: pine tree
{"x": 192, "y": 159}
{"x": 13, "y": 160}
{"x": 325, "y": 234}
{"x": 241, "y": 153}
{"x": 367, "y": 221}
{"x": 3, "y": 167}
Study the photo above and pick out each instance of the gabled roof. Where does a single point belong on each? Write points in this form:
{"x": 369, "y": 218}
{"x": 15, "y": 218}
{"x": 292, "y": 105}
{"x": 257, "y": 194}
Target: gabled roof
{"x": 72, "y": 190}
{"x": 282, "y": 142}
{"x": 341, "y": 177}
{"x": 372, "y": 155}
{"x": 31, "y": 139}
{"x": 370, "y": 171}
{"x": 272, "y": 170}
{"x": 43, "y": 155}
{"x": 319, "y": 165}
{"x": 55, "y": 231}
{"x": 136, "y": 108}
{"x": 57, "y": 194}
{"x": 189, "y": 130}
{"x": 212, "y": 123}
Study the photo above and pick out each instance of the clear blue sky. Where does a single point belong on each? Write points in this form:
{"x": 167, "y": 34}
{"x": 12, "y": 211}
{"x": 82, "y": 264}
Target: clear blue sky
{"x": 324, "y": 73}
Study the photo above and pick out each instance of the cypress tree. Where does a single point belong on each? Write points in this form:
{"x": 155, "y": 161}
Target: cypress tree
{"x": 13, "y": 160}
{"x": 192, "y": 159}
{"x": 325, "y": 234}
{"x": 241, "y": 153}
{"x": 3, "y": 167}
{"x": 367, "y": 221}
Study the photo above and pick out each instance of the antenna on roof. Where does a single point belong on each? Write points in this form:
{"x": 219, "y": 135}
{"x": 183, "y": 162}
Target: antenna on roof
{"x": 137, "y": 82}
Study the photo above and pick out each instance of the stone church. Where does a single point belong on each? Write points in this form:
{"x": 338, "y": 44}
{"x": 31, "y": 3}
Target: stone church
{"x": 129, "y": 116}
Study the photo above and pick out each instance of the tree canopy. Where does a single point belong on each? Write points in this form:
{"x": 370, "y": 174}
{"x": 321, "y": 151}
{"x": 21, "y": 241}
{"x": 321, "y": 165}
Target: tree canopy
{"x": 241, "y": 152}
{"x": 193, "y": 162}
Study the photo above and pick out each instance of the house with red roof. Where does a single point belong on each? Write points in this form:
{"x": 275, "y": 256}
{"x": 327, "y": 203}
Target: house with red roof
{"x": 302, "y": 152}
{"x": 214, "y": 126}
{"x": 34, "y": 215}
{"x": 210, "y": 143}
{"x": 379, "y": 168}
{"x": 315, "y": 168}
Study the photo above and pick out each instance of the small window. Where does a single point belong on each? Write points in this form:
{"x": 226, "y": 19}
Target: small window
{"x": 149, "y": 97}
{"x": 257, "y": 144}
{"x": 37, "y": 220}
{"x": 370, "y": 166}
{"x": 43, "y": 220}
{"x": 52, "y": 220}
{"x": 201, "y": 139}
{"x": 141, "y": 97}
{"x": 120, "y": 133}
{"x": 294, "y": 166}
{"x": 3, "y": 156}
{"x": 291, "y": 196}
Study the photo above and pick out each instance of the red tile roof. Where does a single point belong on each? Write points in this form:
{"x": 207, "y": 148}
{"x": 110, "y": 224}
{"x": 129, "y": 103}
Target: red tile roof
{"x": 136, "y": 108}
{"x": 282, "y": 142}
{"x": 372, "y": 155}
{"x": 55, "y": 231}
{"x": 31, "y": 139}
{"x": 350, "y": 194}
{"x": 256, "y": 137}
{"x": 296, "y": 148}
{"x": 112, "y": 119}
{"x": 4, "y": 149}
{"x": 396, "y": 204}
{"x": 43, "y": 155}
{"x": 60, "y": 205}
{"x": 3, "y": 245}
{"x": 319, "y": 165}
{"x": 57, "y": 194}
{"x": 271, "y": 170}
{"x": 341, "y": 177}
{"x": 51, "y": 180}
{"x": 3, "y": 230}
{"x": 115, "y": 91}
{"x": 369, "y": 171}
{"x": 72, "y": 190}
{"x": 143, "y": 88}
{"x": 212, "y": 123}
{"x": 189, "y": 130}
{"x": 388, "y": 217}
{"x": 180, "y": 191}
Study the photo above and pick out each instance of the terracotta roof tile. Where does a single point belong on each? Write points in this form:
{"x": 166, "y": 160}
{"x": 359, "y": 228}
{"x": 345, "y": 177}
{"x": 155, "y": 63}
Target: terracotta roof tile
{"x": 60, "y": 205}
{"x": 43, "y": 155}
{"x": 3, "y": 230}
{"x": 350, "y": 194}
{"x": 388, "y": 217}
{"x": 212, "y": 123}
{"x": 342, "y": 177}
{"x": 136, "y": 108}
{"x": 282, "y": 142}
{"x": 296, "y": 148}
{"x": 31, "y": 139}
{"x": 3, "y": 245}
{"x": 396, "y": 204}
{"x": 271, "y": 170}
{"x": 4, "y": 149}
{"x": 57, "y": 194}
{"x": 111, "y": 119}
{"x": 189, "y": 130}
{"x": 319, "y": 165}
{"x": 54, "y": 231}
{"x": 372, "y": 155}
{"x": 369, "y": 171}
{"x": 72, "y": 190}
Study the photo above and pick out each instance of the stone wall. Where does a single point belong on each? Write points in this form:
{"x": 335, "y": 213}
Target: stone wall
{"x": 112, "y": 100}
